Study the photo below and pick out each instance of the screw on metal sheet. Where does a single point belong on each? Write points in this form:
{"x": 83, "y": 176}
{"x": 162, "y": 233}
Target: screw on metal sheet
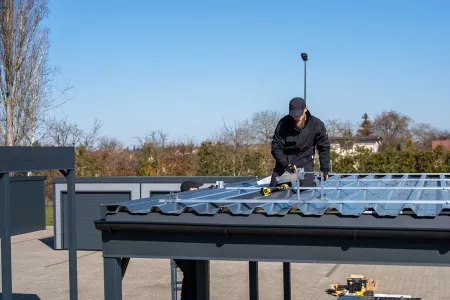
{"x": 172, "y": 197}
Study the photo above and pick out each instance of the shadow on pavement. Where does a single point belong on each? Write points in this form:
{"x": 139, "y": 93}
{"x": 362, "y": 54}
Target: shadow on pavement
{"x": 48, "y": 241}
{"x": 23, "y": 297}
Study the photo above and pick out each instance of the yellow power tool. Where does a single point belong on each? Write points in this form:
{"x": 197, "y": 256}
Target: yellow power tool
{"x": 267, "y": 190}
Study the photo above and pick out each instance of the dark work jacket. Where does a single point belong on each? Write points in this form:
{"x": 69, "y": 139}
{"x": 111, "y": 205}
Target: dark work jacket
{"x": 294, "y": 146}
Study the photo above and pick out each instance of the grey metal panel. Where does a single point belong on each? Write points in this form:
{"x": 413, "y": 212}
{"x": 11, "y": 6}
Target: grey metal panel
{"x": 88, "y": 208}
{"x": 27, "y": 212}
{"x": 426, "y": 195}
{"x": 156, "y": 179}
{"x": 59, "y": 188}
{"x": 23, "y": 159}
{"x": 27, "y": 204}
{"x": 153, "y": 189}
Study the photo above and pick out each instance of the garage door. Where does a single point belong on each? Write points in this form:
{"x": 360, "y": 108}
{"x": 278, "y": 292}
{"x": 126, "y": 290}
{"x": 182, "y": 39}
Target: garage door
{"x": 88, "y": 210}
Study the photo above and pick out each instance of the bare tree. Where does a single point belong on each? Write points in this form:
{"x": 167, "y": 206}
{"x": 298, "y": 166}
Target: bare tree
{"x": 263, "y": 125}
{"x": 236, "y": 134}
{"x": 64, "y": 133}
{"x": 393, "y": 128}
{"x": 424, "y": 133}
{"x": 23, "y": 66}
{"x": 91, "y": 137}
{"x": 341, "y": 132}
{"x": 155, "y": 137}
{"x": 338, "y": 128}
{"x": 110, "y": 144}
{"x": 152, "y": 153}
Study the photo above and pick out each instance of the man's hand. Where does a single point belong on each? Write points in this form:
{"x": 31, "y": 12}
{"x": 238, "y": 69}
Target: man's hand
{"x": 290, "y": 168}
{"x": 325, "y": 176}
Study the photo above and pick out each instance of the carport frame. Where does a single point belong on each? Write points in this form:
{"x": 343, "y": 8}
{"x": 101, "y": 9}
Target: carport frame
{"x": 330, "y": 238}
{"x": 24, "y": 159}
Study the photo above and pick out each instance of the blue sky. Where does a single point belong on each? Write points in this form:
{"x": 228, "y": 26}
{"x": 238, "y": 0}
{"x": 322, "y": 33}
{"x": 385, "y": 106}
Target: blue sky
{"x": 185, "y": 66}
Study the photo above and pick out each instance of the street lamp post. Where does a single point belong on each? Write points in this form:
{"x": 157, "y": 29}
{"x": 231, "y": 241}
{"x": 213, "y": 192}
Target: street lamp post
{"x": 305, "y": 58}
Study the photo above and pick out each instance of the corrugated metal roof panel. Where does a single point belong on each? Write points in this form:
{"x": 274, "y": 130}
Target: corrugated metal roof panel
{"x": 425, "y": 195}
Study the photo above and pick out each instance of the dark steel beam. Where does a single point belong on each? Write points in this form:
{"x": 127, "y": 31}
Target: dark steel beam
{"x": 318, "y": 249}
{"x": 253, "y": 280}
{"x": 202, "y": 279}
{"x": 287, "y": 281}
{"x": 70, "y": 176}
{"x": 23, "y": 159}
{"x": 112, "y": 272}
{"x": 350, "y": 232}
{"x": 5, "y": 236}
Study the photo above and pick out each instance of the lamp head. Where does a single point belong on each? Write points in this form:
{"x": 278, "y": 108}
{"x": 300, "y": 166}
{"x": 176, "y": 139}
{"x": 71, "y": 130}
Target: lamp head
{"x": 304, "y": 56}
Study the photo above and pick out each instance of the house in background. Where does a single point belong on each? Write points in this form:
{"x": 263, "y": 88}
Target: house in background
{"x": 347, "y": 145}
{"x": 443, "y": 143}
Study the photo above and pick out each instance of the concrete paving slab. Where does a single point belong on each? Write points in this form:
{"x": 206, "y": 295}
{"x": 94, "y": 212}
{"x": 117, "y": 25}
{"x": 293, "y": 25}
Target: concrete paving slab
{"x": 39, "y": 272}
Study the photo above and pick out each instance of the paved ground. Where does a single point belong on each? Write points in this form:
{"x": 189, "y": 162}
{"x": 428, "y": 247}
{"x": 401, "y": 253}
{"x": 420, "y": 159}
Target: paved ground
{"x": 42, "y": 273}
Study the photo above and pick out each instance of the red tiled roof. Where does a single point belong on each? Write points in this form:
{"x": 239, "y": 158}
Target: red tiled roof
{"x": 444, "y": 143}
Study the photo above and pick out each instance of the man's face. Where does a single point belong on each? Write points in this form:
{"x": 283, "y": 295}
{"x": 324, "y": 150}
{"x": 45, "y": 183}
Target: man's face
{"x": 193, "y": 188}
{"x": 300, "y": 120}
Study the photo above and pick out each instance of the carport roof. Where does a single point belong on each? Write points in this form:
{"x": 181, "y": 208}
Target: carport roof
{"x": 388, "y": 195}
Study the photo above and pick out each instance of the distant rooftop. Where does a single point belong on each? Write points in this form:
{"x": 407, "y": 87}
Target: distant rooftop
{"x": 444, "y": 143}
{"x": 356, "y": 138}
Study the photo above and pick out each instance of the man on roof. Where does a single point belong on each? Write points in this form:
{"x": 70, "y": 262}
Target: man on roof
{"x": 294, "y": 142}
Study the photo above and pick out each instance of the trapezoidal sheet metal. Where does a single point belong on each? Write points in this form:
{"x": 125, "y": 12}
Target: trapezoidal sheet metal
{"x": 425, "y": 195}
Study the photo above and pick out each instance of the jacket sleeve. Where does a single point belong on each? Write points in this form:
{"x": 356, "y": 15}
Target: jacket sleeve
{"x": 278, "y": 146}
{"x": 323, "y": 146}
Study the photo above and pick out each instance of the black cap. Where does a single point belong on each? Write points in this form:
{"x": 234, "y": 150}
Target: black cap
{"x": 187, "y": 185}
{"x": 297, "y": 107}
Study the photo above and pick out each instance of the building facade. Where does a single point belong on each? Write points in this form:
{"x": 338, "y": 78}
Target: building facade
{"x": 347, "y": 145}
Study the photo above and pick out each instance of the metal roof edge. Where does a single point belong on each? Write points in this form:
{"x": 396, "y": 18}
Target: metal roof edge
{"x": 27, "y": 178}
{"x": 155, "y": 179}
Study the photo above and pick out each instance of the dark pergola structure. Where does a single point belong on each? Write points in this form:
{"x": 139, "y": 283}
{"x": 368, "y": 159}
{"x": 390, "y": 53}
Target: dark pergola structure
{"x": 24, "y": 159}
{"x": 399, "y": 219}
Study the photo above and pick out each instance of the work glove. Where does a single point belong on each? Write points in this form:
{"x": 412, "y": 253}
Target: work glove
{"x": 325, "y": 176}
{"x": 290, "y": 168}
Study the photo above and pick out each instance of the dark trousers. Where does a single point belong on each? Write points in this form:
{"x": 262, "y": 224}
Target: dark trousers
{"x": 307, "y": 182}
{"x": 189, "y": 285}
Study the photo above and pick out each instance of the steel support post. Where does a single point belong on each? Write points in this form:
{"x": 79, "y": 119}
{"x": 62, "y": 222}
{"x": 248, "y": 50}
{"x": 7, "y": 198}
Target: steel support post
{"x": 202, "y": 279}
{"x": 112, "y": 268}
{"x": 70, "y": 177}
{"x": 287, "y": 280}
{"x": 253, "y": 280}
{"x": 5, "y": 236}
{"x": 173, "y": 279}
